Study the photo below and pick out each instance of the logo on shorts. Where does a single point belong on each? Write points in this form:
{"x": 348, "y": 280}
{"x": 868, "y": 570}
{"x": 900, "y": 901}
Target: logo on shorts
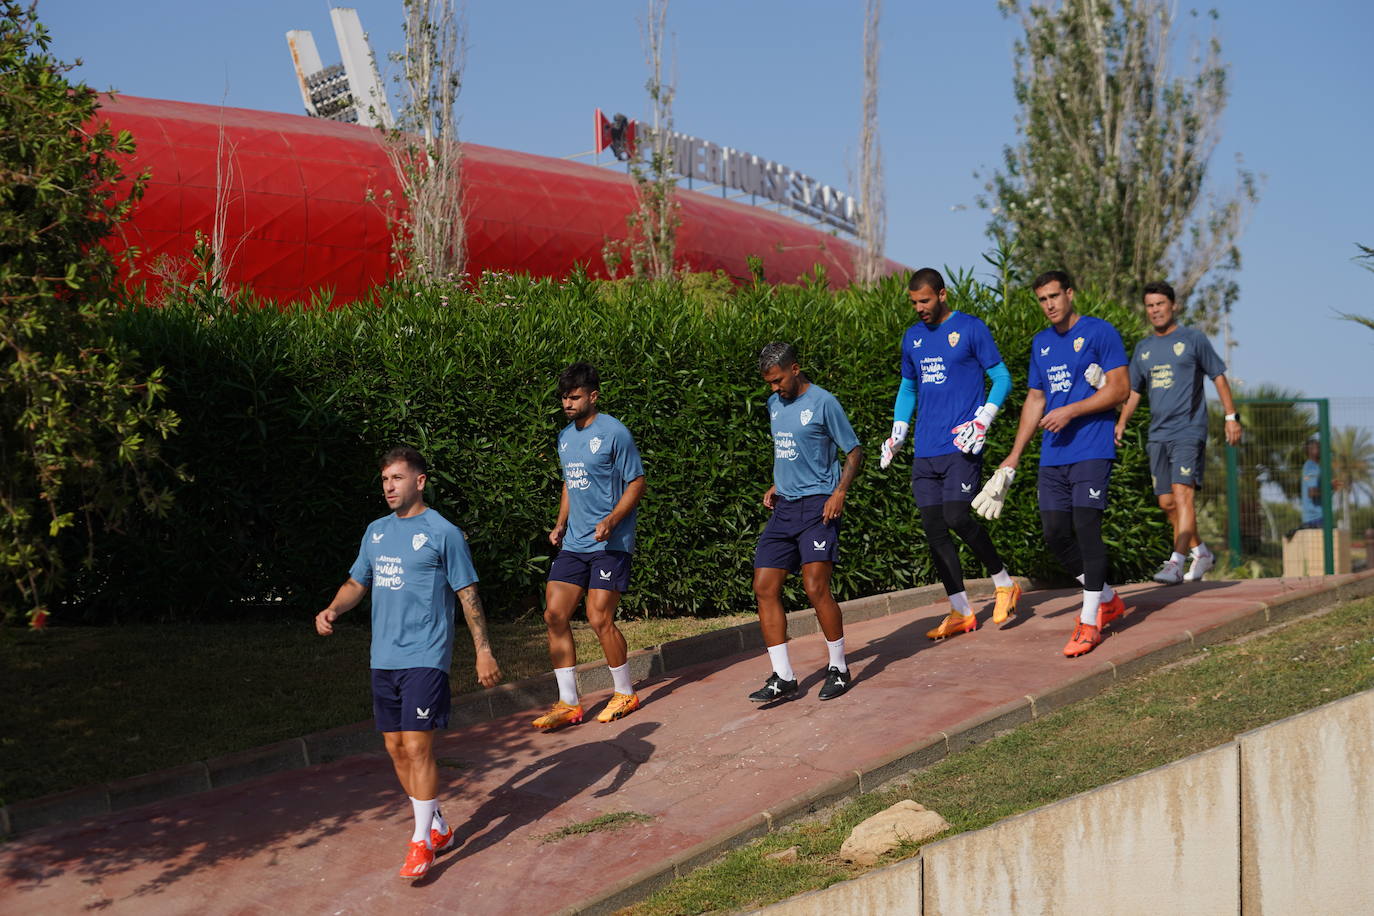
{"x": 1077, "y": 344}
{"x": 605, "y": 574}
{"x": 806, "y": 416}
{"x": 421, "y": 713}
{"x": 1178, "y": 348}
{"x": 1183, "y": 470}
{"x": 1044, "y": 351}
{"x": 953, "y": 338}
{"x": 418, "y": 540}
{"x": 1094, "y": 494}
{"x": 377, "y": 537}
{"x": 966, "y": 487}
{"x": 819, "y": 545}
{"x": 1144, "y": 355}
{"x": 595, "y": 444}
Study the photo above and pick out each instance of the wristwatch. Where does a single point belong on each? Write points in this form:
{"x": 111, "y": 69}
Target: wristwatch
{"x": 1233, "y": 417}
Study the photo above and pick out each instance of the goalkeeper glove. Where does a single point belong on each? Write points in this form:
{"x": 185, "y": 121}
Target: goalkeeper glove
{"x": 988, "y": 502}
{"x": 970, "y": 436}
{"x": 893, "y": 443}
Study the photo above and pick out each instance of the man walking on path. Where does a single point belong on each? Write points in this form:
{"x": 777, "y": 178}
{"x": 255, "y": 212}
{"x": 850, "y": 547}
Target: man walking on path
{"x": 1077, "y": 378}
{"x": 603, "y": 481}
{"x": 806, "y": 501}
{"x": 414, "y": 561}
{"x": 1172, "y": 364}
{"x": 944, "y": 357}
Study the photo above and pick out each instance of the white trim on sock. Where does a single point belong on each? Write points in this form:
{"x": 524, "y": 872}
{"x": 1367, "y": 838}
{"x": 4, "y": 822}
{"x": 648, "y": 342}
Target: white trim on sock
{"x": 1092, "y": 603}
{"x": 424, "y": 817}
{"x": 836, "y": 650}
{"x": 959, "y": 602}
{"x": 1177, "y": 558}
{"x": 782, "y": 664}
{"x": 1002, "y": 579}
{"x": 567, "y": 684}
{"x": 621, "y": 678}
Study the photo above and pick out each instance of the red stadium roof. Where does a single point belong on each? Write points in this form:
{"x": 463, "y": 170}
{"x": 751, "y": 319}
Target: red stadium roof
{"x": 303, "y": 206}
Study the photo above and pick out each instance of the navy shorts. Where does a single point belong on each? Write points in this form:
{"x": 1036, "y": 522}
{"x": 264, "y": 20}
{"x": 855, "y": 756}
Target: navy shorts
{"x": 410, "y": 699}
{"x": 1176, "y": 462}
{"x": 796, "y": 534}
{"x": 1082, "y": 484}
{"x": 604, "y": 569}
{"x": 946, "y": 479}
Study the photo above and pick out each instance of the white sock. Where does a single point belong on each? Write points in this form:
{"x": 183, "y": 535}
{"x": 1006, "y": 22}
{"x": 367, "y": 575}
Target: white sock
{"x": 440, "y": 824}
{"x": 836, "y": 650}
{"x": 567, "y": 684}
{"x": 1200, "y": 551}
{"x": 1002, "y": 579}
{"x": 782, "y": 665}
{"x": 1092, "y": 601}
{"x": 424, "y": 816}
{"x": 959, "y": 601}
{"x": 1176, "y": 558}
{"x": 621, "y": 677}
{"x": 1108, "y": 593}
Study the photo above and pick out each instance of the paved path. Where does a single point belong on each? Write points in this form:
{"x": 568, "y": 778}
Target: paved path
{"x": 698, "y": 758}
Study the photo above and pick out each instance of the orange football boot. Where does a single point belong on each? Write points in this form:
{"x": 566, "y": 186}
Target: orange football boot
{"x": 1005, "y": 608}
{"x": 1086, "y": 637}
{"x": 559, "y": 715}
{"x": 419, "y": 858}
{"x": 953, "y": 625}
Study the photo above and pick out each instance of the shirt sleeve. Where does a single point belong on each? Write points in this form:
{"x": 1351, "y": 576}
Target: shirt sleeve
{"x": 1136, "y": 372}
{"x": 361, "y": 571}
{"x": 984, "y": 347}
{"x": 1111, "y": 351}
{"x": 627, "y": 461}
{"x": 909, "y": 368}
{"x": 838, "y": 425}
{"x": 1034, "y": 379}
{"x": 457, "y": 561}
{"x": 1207, "y": 357}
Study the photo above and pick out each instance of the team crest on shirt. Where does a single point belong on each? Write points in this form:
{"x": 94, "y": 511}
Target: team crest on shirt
{"x": 595, "y": 444}
{"x": 806, "y": 416}
{"x": 418, "y": 540}
{"x": 953, "y": 338}
{"x": 1178, "y": 348}
{"x": 1077, "y": 344}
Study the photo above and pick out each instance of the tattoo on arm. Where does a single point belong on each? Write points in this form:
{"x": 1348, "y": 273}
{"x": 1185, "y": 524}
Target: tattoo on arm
{"x": 472, "y": 612}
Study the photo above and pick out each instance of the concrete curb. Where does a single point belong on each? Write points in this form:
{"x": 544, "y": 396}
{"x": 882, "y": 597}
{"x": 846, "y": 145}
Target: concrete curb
{"x": 468, "y": 709}
{"x": 973, "y": 731}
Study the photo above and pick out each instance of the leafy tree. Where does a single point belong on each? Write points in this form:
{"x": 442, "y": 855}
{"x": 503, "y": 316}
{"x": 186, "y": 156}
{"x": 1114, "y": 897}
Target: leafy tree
{"x": 77, "y": 428}
{"x": 1352, "y": 463}
{"x": 1366, "y": 260}
{"x": 1108, "y": 177}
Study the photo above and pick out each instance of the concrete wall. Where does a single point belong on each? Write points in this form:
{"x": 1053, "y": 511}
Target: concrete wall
{"x": 1307, "y": 812}
{"x": 1279, "y": 821}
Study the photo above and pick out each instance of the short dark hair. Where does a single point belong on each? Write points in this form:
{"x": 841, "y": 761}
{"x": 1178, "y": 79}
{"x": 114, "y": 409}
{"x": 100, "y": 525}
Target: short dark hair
{"x": 926, "y": 276}
{"x": 408, "y": 455}
{"x": 1161, "y": 288}
{"x": 1053, "y": 276}
{"x": 777, "y": 353}
{"x": 579, "y": 375}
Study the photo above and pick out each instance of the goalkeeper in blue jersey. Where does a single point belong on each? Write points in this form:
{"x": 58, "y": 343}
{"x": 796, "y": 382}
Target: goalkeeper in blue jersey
{"x": 944, "y": 358}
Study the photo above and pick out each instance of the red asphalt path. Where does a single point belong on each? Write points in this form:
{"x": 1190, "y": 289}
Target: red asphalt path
{"x": 698, "y": 758}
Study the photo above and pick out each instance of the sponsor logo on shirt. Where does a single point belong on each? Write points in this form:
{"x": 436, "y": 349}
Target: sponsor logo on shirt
{"x": 1178, "y": 348}
{"x": 953, "y": 338}
{"x": 784, "y": 446}
{"x": 1077, "y": 344}
{"x": 1162, "y": 376}
{"x": 377, "y": 537}
{"x": 418, "y": 540}
{"x": 806, "y": 416}
{"x": 575, "y": 474}
{"x": 933, "y": 370}
{"x": 388, "y": 572}
{"x": 595, "y": 444}
{"x": 1061, "y": 379}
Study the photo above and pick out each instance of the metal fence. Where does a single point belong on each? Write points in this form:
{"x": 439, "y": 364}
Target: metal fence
{"x": 1269, "y": 517}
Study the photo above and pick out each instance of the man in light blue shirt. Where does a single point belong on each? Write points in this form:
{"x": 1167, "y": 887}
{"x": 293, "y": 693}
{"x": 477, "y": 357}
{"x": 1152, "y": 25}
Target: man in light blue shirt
{"x": 603, "y": 480}
{"x": 1310, "y": 492}
{"x": 806, "y": 500}
{"x": 414, "y": 561}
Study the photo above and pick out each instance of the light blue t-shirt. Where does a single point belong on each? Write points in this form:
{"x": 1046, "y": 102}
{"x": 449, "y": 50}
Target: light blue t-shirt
{"x": 806, "y": 432}
{"x": 413, "y": 567}
{"x": 1311, "y": 477}
{"x": 1057, "y": 364}
{"x": 599, "y": 461}
{"x": 947, "y": 362}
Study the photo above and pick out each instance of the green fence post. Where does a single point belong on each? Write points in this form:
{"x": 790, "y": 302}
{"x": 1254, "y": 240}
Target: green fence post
{"x": 1328, "y": 518}
{"x": 1233, "y": 503}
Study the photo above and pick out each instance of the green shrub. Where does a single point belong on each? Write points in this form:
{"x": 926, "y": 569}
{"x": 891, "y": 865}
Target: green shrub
{"x": 284, "y": 414}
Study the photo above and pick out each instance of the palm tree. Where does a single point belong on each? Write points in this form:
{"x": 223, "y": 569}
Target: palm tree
{"x": 1352, "y": 463}
{"x": 1366, "y": 260}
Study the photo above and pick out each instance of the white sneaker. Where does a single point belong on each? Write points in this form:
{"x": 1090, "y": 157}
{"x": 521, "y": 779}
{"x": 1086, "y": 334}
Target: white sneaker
{"x": 1198, "y": 568}
{"x": 1169, "y": 574}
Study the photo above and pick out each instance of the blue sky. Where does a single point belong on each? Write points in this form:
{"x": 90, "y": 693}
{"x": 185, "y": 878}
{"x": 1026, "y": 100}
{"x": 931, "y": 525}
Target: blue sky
{"x": 782, "y": 79}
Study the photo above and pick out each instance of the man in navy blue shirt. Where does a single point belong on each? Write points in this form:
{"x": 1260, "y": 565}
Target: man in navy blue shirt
{"x": 944, "y": 358}
{"x": 603, "y": 481}
{"x": 1077, "y": 378}
{"x": 414, "y": 561}
{"x": 806, "y": 500}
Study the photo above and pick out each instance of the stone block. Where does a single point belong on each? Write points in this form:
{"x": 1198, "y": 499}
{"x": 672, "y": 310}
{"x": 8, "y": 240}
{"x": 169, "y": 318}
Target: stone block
{"x": 153, "y": 787}
{"x": 258, "y": 761}
{"x": 327, "y": 746}
{"x": 57, "y": 809}
{"x": 707, "y": 647}
{"x": 891, "y": 891}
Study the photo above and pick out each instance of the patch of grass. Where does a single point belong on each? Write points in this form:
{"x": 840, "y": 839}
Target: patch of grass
{"x": 616, "y": 820}
{"x": 1134, "y": 726}
{"x": 86, "y": 705}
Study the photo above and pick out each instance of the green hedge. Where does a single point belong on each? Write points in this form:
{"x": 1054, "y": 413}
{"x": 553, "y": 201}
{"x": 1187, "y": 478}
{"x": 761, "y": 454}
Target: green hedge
{"x": 284, "y": 413}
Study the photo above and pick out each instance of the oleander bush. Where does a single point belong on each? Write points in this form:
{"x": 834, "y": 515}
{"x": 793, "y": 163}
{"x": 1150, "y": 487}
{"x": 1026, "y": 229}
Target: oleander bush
{"x": 284, "y": 412}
